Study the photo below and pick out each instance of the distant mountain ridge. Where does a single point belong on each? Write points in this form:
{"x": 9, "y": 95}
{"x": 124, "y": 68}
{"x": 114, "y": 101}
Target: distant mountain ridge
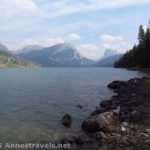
{"x": 109, "y": 52}
{"x": 108, "y": 61}
{"x": 29, "y": 48}
{"x": 59, "y": 55}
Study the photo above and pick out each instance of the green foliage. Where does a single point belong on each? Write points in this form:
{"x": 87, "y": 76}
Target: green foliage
{"x": 139, "y": 55}
{"x": 141, "y": 36}
{"x": 8, "y": 60}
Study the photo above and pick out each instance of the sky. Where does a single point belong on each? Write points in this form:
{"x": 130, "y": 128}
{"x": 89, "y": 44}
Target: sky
{"x": 91, "y": 25}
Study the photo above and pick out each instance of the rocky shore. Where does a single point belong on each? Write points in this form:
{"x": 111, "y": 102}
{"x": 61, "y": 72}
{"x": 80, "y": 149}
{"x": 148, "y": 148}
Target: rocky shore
{"x": 121, "y": 123}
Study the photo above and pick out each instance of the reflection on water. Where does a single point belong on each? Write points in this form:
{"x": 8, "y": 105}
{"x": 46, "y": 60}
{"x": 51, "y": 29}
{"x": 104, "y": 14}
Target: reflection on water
{"x": 32, "y": 101}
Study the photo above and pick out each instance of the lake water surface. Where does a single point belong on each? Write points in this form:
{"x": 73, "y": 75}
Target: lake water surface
{"x": 32, "y": 101}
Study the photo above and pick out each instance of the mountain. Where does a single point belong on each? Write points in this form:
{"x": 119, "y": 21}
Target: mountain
{"x": 59, "y": 55}
{"x": 8, "y": 60}
{"x": 29, "y": 48}
{"x": 109, "y": 52}
{"x": 108, "y": 62}
{"x": 3, "y": 48}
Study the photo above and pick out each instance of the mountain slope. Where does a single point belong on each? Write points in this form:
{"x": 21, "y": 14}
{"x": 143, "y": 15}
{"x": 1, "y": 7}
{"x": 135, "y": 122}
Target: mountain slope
{"x": 60, "y": 55}
{"x": 109, "y": 61}
{"x": 3, "y": 48}
{"x": 8, "y": 60}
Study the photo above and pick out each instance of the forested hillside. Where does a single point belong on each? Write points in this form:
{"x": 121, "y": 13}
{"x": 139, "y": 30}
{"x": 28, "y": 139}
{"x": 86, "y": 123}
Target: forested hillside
{"x": 8, "y": 60}
{"x": 139, "y": 55}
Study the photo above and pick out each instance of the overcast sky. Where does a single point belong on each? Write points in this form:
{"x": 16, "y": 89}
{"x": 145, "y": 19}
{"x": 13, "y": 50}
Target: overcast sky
{"x": 91, "y": 25}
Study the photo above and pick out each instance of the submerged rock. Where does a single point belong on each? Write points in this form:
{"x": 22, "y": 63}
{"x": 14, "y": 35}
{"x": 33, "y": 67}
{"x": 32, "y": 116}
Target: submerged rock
{"x": 66, "y": 120}
{"x": 79, "y": 106}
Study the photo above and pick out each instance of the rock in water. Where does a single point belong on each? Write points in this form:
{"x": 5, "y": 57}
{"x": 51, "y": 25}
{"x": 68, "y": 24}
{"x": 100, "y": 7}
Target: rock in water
{"x": 66, "y": 120}
{"x": 79, "y": 106}
{"x": 117, "y": 84}
{"x": 101, "y": 122}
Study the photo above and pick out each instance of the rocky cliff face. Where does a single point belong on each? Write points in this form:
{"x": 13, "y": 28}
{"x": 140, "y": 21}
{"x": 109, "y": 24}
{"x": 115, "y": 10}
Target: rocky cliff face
{"x": 60, "y": 55}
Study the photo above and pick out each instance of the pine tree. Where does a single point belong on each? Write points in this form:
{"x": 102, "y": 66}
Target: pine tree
{"x": 147, "y": 42}
{"x": 139, "y": 55}
{"x": 141, "y": 36}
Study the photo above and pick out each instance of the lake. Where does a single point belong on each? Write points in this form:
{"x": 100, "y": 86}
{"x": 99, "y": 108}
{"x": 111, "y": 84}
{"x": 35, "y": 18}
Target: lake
{"x": 33, "y": 101}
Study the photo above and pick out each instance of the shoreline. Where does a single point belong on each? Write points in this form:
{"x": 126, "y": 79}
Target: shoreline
{"x": 122, "y": 122}
{"x": 139, "y": 69}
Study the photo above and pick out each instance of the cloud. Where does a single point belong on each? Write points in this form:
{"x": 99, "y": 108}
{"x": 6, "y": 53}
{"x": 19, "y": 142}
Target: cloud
{"x": 94, "y": 52}
{"x": 115, "y": 42}
{"x": 40, "y": 22}
{"x": 90, "y": 51}
{"x": 111, "y": 38}
{"x": 121, "y": 47}
{"x": 18, "y": 44}
{"x": 43, "y": 42}
{"x": 66, "y": 7}
{"x": 17, "y": 25}
{"x": 9, "y": 8}
{"x": 53, "y": 41}
{"x": 74, "y": 37}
